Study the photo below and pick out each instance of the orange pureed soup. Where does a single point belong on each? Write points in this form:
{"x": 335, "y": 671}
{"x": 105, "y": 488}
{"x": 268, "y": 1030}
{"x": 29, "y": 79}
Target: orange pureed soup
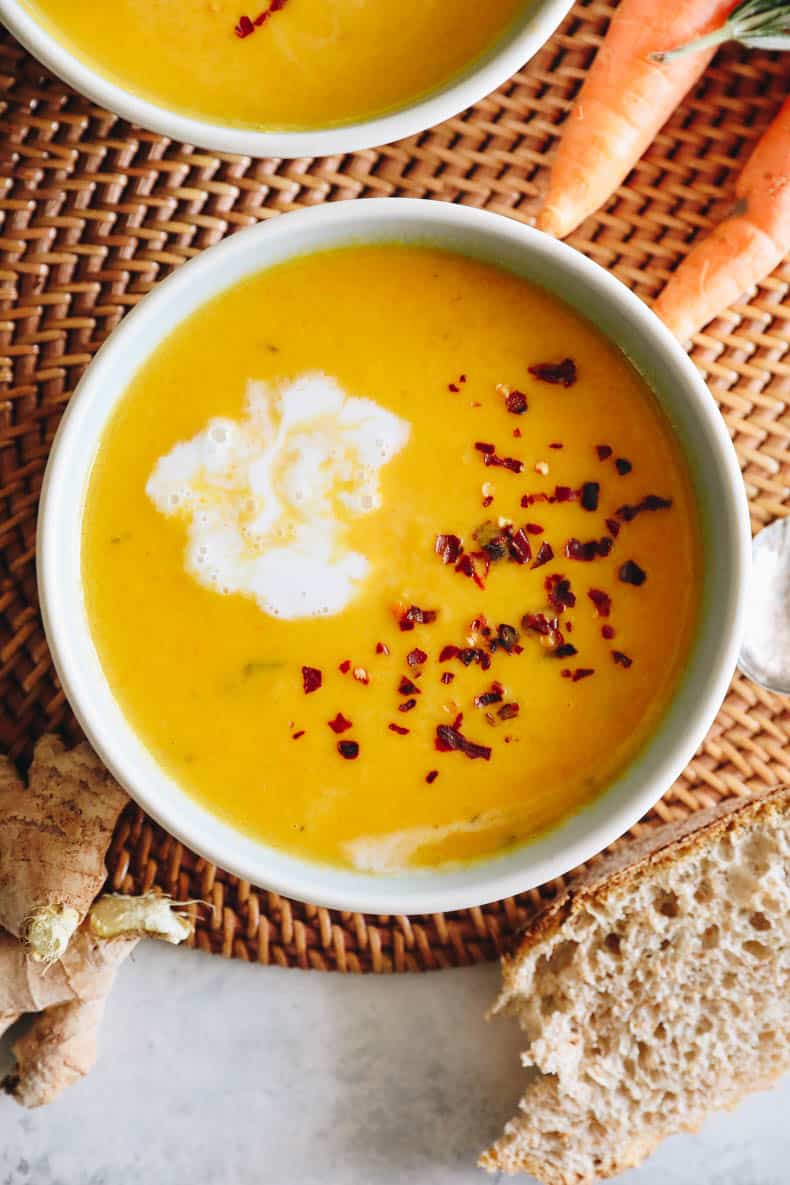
{"x": 390, "y": 558}
{"x": 279, "y": 64}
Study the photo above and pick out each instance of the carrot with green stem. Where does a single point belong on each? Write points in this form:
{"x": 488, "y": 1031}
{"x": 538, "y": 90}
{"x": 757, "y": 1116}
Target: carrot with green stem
{"x": 626, "y": 98}
{"x": 742, "y": 249}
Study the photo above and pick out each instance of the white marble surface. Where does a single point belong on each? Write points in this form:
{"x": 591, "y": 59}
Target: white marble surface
{"x": 216, "y": 1073}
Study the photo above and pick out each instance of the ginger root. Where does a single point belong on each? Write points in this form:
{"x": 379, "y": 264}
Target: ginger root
{"x": 54, "y": 837}
{"x": 69, "y": 994}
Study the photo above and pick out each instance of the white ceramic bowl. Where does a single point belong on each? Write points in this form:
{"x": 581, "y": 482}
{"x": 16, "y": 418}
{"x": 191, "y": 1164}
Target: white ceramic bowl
{"x": 622, "y": 317}
{"x": 527, "y": 34}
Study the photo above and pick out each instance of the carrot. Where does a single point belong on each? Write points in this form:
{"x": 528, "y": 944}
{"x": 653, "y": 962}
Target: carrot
{"x": 744, "y": 248}
{"x": 626, "y": 97}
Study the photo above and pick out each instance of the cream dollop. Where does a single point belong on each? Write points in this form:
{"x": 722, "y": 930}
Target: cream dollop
{"x": 268, "y": 498}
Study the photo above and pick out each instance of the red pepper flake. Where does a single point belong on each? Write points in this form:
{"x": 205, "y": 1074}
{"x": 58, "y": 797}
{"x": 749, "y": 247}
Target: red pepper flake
{"x": 483, "y": 447}
{"x": 416, "y": 657}
{"x": 582, "y": 673}
{"x": 566, "y": 673}
{"x": 576, "y": 550}
{"x": 510, "y": 463}
{"x": 447, "y": 677}
{"x": 345, "y": 666}
{"x": 566, "y": 650}
{"x": 533, "y": 528}
{"x": 448, "y": 652}
{"x": 519, "y": 546}
{"x": 361, "y": 675}
{"x": 564, "y": 494}
{"x": 431, "y": 776}
{"x": 469, "y": 654}
{"x": 414, "y": 615}
{"x": 623, "y": 466}
{"x": 621, "y": 659}
{"x": 402, "y": 732}
{"x": 458, "y": 720}
{"x": 382, "y": 648}
{"x": 298, "y": 734}
{"x": 448, "y": 548}
{"x": 517, "y": 433}
{"x": 244, "y": 28}
{"x": 508, "y": 711}
{"x": 563, "y": 372}
{"x": 340, "y": 723}
{"x": 604, "y": 451}
{"x": 516, "y": 403}
{"x": 613, "y": 527}
{"x": 407, "y": 705}
{"x": 601, "y": 600}
{"x": 450, "y": 740}
{"x": 649, "y": 502}
{"x": 631, "y": 573}
{"x": 568, "y": 627}
{"x": 348, "y": 749}
{"x": 494, "y": 695}
{"x": 487, "y": 501}
{"x": 556, "y": 444}
{"x": 406, "y": 687}
{"x": 607, "y": 631}
{"x": 538, "y": 623}
{"x": 558, "y": 590}
{"x": 506, "y": 637}
{"x": 453, "y": 387}
{"x": 589, "y": 495}
{"x": 545, "y": 553}
{"x": 311, "y": 679}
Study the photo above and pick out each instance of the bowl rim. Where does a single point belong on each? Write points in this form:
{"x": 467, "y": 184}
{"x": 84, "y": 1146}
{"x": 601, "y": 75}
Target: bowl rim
{"x": 549, "y": 855}
{"x": 535, "y": 27}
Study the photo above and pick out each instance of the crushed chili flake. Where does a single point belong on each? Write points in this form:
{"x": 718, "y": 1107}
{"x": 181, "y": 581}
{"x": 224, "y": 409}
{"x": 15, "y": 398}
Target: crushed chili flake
{"x": 589, "y": 495}
{"x": 447, "y": 677}
{"x": 649, "y": 502}
{"x": 459, "y": 719}
{"x": 448, "y": 652}
{"x": 545, "y": 553}
{"x": 469, "y": 654}
{"x": 507, "y": 637}
{"x": 416, "y": 657}
{"x": 623, "y": 466}
{"x": 348, "y": 749}
{"x": 382, "y": 648}
{"x": 483, "y": 447}
{"x": 566, "y": 650}
{"x": 462, "y": 378}
{"x": 621, "y": 659}
{"x": 582, "y": 673}
{"x": 414, "y": 615}
{"x": 556, "y": 444}
{"x": 530, "y": 499}
{"x": 558, "y": 590}
{"x": 431, "y": 776}
{"x": 311, "y": 679}
{"x": 576, "y": 550}
{"x": 566, "y": 673}
{"x": 607, "y": 631}
{"x": 601, "y": 600}
{"x": 298, "y": 734}
{"x": 510, "y": 463}
{"x": 517, "y": 433}
{"x": 407, "y": 705}
{"x": 604, "y": 451}
{"x": 613, "y": 527}
{"x": 340, "y": 723}
{"x": 406, "y": 687}
{"x": 538, "y": 623}
{"x": 361, "y": 675}
{"x": 533, "y": 528}
{"x": 494, "y": 695}
{"x": 631, "y": 573}
{"x": 507, "y": 712}
{"x": 453, "y": 387}
{"x": 555, "y": 372}
{"x": 448, "y": 548}
{"x": 516, "y": 403}
{"x": 564, "y": 494}
{"x": 401, "y": 731}
{"x": 244, "y": 27}
{"x": 450, "y": 740}
{"x": 345, "y": 666}
{"x": 519, "y": 546}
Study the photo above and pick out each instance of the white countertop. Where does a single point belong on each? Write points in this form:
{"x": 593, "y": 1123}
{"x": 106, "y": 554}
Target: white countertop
{"x": 219, "y": 1073}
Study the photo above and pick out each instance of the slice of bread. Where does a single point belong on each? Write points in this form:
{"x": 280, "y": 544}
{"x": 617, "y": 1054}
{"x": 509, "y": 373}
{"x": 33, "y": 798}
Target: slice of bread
{"x": 654, "y": 990}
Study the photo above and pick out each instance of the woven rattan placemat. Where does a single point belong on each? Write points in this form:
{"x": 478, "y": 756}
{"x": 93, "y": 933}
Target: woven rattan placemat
{"x": 95, "y": 212}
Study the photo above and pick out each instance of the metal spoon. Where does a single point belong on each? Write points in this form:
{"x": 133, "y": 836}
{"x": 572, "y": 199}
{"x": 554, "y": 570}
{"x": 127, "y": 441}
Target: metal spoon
{"x": 765, "y": 652}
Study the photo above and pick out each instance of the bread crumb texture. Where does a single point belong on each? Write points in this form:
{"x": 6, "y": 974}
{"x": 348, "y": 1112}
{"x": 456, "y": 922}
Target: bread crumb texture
{"x": 654, "y": 991}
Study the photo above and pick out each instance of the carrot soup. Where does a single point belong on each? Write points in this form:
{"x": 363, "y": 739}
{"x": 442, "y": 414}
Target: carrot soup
{"x": 390, "y": 558}
{"x": 279, "y": 64}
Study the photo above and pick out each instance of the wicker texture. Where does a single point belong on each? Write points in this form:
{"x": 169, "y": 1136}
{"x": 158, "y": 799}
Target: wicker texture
{"x": 95, "y": 212}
